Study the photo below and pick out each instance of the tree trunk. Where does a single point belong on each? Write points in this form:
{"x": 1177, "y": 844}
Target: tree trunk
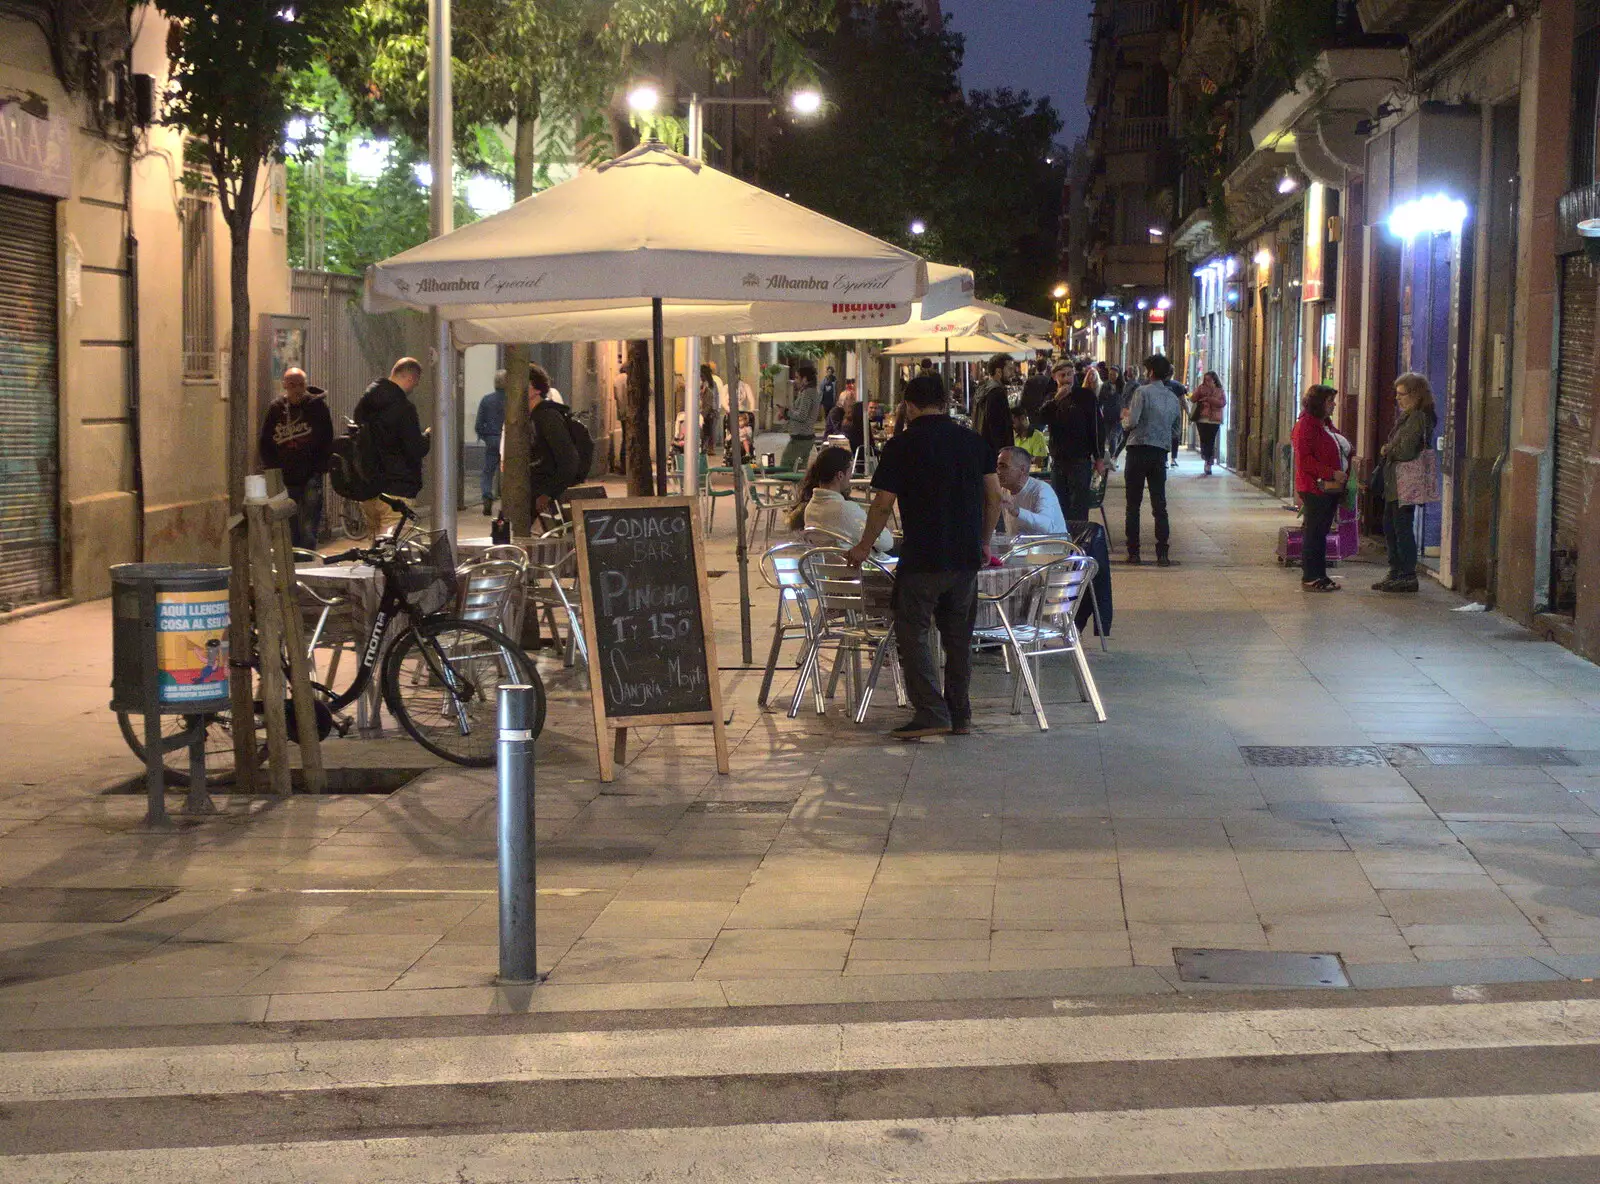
{"x": 240, "y": 436}
{"x": 514, "y": 484}
{"x": 636, "y": 422}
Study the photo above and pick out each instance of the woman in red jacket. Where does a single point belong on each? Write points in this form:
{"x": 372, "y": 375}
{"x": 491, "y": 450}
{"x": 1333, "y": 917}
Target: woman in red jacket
{"x": 1320, "y": 480}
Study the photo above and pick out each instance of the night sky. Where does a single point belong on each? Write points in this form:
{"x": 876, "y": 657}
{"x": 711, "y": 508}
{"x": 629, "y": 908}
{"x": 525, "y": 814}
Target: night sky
{"x": 1033, "y": 45}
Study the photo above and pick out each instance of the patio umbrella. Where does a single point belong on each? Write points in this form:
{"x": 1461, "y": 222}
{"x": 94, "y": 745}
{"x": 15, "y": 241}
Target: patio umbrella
{"x": 975, "y": 345}
{"x": 647, "y": 229}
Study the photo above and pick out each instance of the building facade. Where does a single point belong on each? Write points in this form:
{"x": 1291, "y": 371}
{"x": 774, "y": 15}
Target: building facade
{"x": 114, "y": 309}
{"x": 1385, "y": 186}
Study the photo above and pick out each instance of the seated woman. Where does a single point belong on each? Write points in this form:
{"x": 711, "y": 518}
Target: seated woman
{"x": 825, "y": 504}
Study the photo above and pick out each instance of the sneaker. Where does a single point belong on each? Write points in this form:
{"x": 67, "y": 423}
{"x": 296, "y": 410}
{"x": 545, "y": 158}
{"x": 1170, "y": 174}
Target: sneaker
{"x": 488, "y": 509}
{"x": 916, "y": 731}
{"x": 1383, "y": 584}
{"x": 1402, "y": 586}
{"x": 1133, "y": 558}
{"x": 1166, "y": 561}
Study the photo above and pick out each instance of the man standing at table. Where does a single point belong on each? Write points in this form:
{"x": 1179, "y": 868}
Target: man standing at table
{"x": 1028, "y": 504}
{"x": 943, "y": 477}
{"x": 1073, "y": 419}
{"x": 800, "y": 421}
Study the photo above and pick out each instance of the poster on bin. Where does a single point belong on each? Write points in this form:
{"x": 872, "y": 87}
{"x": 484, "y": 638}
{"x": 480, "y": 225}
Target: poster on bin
{"x": 192, "y": 647}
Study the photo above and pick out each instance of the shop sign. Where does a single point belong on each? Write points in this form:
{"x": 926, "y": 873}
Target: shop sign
{"x": 35, "y": 154}
{"x": 1311, "y": 275}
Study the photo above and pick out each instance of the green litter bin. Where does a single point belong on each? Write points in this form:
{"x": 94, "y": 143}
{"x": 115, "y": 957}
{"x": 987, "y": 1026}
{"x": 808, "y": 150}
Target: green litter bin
{"x": 169, "y": 619}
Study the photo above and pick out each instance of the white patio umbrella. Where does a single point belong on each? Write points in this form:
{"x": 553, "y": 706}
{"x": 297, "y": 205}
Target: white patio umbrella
{"x": 975, "y": 345}
{"x": 649, "y": 229}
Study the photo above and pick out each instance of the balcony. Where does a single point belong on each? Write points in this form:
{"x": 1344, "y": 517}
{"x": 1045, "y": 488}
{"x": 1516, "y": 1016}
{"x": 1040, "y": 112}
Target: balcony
{"x": 1139, "y": 16}
{"x": 1137, "y": 134}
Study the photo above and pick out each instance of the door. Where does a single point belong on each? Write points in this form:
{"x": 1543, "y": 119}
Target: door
{"x": 1574, "y": 420}
{"x": 30, "y": 553}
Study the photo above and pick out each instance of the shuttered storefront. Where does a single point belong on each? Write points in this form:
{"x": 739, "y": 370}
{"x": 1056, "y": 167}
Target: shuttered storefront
{"x": 1573, "y": 422}
{"x": 29, "y": 420}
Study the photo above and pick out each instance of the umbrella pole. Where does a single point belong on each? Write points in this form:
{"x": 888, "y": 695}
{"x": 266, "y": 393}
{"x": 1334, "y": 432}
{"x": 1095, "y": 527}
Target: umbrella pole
{"x": 657, "y": 336}
{"x": 740, "y": 510}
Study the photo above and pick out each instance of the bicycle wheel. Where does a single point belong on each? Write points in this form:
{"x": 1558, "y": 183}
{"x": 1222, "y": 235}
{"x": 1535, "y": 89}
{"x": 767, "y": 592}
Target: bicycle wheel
{"x": 219, "y": 745}
{"x": 457, "y": 723}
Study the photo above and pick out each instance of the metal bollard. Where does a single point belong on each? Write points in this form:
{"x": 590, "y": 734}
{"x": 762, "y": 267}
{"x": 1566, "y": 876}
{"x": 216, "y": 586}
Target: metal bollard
{"x": 514, "y": 778}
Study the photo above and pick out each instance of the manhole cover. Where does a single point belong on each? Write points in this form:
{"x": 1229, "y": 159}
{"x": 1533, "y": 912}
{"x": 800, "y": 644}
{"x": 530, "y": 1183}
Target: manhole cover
{"x": 1307, "y": 756}
{"x": 1260, "y": 968}
{"x": 77, "y": 905}
{"x": 740, "y": 807}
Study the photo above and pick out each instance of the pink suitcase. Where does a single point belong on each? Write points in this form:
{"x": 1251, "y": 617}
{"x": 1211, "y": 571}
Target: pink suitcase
{"x": 1343, "y": 540}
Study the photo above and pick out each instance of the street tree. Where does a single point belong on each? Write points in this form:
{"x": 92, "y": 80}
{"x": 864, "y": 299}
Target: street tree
{"x": 233, "y": 64}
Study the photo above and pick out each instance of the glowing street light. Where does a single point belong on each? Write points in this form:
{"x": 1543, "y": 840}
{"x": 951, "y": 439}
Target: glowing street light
{"x": 644, "y": 98}
{"x": 1288, "y": 183}
{"x": 1164, "y": 303}
{"x": 806, "y": 102}
{"x": 1059, "y": 291}
{"x": 918, "y": 227}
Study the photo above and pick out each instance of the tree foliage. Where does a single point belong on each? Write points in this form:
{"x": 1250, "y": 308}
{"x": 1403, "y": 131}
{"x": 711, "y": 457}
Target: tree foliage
{"x": 902, "y": 142}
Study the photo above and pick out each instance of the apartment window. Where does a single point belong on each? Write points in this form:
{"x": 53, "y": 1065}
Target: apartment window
{"x": 199, "y": 292}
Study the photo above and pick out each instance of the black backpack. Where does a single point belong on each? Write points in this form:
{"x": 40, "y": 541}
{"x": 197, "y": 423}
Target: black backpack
{"x": 353, "y": 463}
{"x": 581, "y": 440}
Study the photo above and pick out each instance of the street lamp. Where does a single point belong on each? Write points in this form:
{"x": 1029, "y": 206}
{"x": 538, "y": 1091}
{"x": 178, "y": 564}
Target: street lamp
{"x": 1059, "y": 291}
{"x": 806, "y": 102}
{"x": 644, "y": 98}
{"x": 918, "y": 227}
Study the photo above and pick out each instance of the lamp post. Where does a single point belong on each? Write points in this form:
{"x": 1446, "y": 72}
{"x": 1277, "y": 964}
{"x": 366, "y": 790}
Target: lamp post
{"x": 441, "y": 217}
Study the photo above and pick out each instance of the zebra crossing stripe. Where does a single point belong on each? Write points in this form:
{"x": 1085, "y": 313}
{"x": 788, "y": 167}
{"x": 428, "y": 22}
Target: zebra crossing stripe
{"x": 933, "y": 1151}
{"x": 80, "y": 1074}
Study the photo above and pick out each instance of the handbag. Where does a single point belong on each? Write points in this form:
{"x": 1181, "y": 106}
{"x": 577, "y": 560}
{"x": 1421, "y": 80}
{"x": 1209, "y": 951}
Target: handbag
{"x": 1416, "y": 482}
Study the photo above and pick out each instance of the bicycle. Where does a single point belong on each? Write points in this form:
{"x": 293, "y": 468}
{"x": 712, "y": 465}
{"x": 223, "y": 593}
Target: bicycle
{"x": 440, "y": 675}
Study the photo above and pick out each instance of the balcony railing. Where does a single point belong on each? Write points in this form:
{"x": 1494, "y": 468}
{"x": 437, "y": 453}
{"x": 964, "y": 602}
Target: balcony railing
{"x": 1137, "y": 134}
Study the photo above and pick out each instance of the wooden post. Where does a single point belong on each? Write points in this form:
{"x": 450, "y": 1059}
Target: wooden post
{"x": 269, "y": 627}
{"x": 294, "y": 637}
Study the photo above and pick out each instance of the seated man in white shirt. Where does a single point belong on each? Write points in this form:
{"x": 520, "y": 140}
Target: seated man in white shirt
{"x": 1027, "y": 504}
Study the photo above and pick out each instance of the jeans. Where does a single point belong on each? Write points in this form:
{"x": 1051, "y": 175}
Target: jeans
{"x": 1400, "y": 532}
{"x": 1208, "y": 441}
{"x": 949, "y": 600}
{"x": 1320, "y": 510}
{"x": 1147, "y": 465}
{"x": 1072, "y": 479}
{"x": 491, "y": 466}
{"x": 307, "y": 521}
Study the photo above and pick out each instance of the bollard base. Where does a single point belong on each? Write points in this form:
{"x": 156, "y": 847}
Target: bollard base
{"x": 503, "y": 981}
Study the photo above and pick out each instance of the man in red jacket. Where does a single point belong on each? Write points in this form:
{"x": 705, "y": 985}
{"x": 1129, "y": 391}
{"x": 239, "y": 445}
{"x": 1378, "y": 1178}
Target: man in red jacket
{"x": 1320, "y": 480}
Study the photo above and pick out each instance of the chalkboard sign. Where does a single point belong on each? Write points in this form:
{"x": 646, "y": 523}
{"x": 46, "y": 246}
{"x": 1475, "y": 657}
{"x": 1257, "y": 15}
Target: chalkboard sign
{"x": 652, "y": 654}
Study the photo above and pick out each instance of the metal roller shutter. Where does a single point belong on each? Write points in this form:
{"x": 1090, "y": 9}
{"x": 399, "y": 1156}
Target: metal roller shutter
{"x": 1573, "y": 422}
{"x": 29, "y": 419}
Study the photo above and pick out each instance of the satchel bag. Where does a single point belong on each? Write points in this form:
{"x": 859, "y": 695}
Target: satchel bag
{"x": 1416, "y": 482}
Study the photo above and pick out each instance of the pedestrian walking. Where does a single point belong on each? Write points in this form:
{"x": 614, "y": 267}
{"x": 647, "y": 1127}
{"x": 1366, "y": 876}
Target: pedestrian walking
{"x": 1038, "y": 389}
{"x": 800, "y": 420}
{"x": 1179, "y": 430}
{"x": 398, "y": 442}
{"x": 1073, "y": 421}
{"x": 1320, "y": 480}
{"x": 942, "y": 476}
{"x": 1112, "y": 398}
{"x": 991, "y": 417}
{"x": 1151, "y": 421}
{"x": 556, "y": 459}
{"x": 1413, "y": 434}
{"x": 829, "y": 391}
{"x": 297, "y": 440}
{"x": 488, "y": 426}
{"x": 1208, "y": 402}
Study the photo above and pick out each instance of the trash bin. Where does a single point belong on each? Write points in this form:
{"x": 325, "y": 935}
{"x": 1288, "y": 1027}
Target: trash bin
{"x": 170, "y": 619}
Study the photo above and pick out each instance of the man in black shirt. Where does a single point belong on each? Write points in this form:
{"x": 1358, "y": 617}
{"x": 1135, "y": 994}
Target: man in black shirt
{"x": 1073, "y": 420}
{"x": 943, "y": 477}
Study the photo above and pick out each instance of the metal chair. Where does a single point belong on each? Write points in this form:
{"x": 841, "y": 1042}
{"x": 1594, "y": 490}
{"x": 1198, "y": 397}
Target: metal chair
{"x": 853, "y": 616}
{"x": 780, "y": 568}
{"x": 1097, "y": 499}
{"x": 1049, "y": 595}
{"x": 495, "y": 591}
{"x": 768, "y": 499}
{"x": 1056, "y": 546}
{"x": 553, "y": 561}
{"x": 821, "y": 536}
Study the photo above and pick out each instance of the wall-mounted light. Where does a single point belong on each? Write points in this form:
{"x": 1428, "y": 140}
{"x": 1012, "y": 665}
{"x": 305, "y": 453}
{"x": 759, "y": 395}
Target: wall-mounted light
{"x": 1164, "y": 303}
{"x": 1059, "y": 291}
{"x": 1262, "y": 258}
{"x": 1142, "y": 305}
{"x": 1231, "y": 267}
{"x": 1434, "y": 214}
{"x": 806, "y": 102}
{"x": 1288, "y": 183}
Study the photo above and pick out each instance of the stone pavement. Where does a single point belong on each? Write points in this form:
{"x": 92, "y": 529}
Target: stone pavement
{"x": 1454, "y": 841}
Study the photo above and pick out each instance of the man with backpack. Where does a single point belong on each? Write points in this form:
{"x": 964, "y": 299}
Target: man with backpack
{"x": 389, "y": 446}
{"x": 560, "y": 449}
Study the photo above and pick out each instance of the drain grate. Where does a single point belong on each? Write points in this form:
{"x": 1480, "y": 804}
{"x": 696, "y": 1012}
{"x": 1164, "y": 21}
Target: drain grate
{"x": 77, "y": 905}
{"x": 713, "y": 807}
{"x": 1308, "y": 756}
{"x": 1260, "y": 968}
